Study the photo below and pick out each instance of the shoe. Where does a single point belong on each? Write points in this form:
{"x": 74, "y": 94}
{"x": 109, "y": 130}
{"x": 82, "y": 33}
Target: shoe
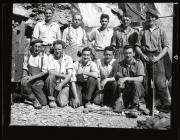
{"x": 37, "y": 105}
{"x": 87, "y": 105}
{"x": 52, "y": 104}
{"x": 132, "y": 114}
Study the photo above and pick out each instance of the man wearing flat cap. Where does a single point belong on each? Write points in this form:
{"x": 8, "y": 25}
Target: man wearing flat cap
{"x": 153, "y": 46}
{"x": 34, "y": 73}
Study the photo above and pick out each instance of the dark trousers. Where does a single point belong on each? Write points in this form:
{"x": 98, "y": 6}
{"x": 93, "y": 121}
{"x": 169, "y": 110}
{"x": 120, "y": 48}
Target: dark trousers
{"x": 35, "y": 90}
{"x": 107, "y": 95}
{"x": 132, "y": 93}
{"x": 62, "y": 97}
{"x": 159, "y": 82}
{"x": 86, "y": 89}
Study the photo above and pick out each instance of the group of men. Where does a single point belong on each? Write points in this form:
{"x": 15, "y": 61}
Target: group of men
{"x": 54, "y": 74}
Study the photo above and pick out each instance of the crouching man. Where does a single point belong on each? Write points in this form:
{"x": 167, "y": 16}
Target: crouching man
{"x": 34, "y": 74}
{"x": 129, "y": 76}
{"x": 86, "y": 75}
{"x": 106, "y": 81}
{"x": 60, "y": 73}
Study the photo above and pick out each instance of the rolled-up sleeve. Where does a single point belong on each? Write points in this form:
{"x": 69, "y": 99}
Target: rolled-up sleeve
{"x": 140, "y": 69}
{"x": 94, "y": 68}
{"x": 164, "y": 40}
{"x": 36, "y": 31}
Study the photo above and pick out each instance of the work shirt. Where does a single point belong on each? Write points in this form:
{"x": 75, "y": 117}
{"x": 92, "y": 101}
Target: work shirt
{"x": 40, "y": 61}
{"x": 152, "y": 40}
{"x": 102, "y": 38}
{"x": 123, "y": 37}
{"x": 106, "y": 71}
{"x": 74, "y": 37}
{"x": 89, "y": 67}
{"x": 61, "y": 65}
{"x": 134, "y": 69}
{"x": 48, "y": 33}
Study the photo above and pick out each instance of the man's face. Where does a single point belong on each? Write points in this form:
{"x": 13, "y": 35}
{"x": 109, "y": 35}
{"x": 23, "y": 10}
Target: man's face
{"x": 77, "y": 20}
{"x": 126, "y": 21}
{"x": 86, "y": 55}
{"x": 36, "y": 48}
{"x": 108, "y": 56}
{"x": 151, "y": 20}
{"x": 58, "y": 50}
{"x": 104, "y": 22}
{"x": 48, "y": 14}
{"x": 129, "y": 54}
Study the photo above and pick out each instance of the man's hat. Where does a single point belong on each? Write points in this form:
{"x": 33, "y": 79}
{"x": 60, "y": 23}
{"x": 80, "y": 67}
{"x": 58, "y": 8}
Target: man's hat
{"x": 36, "y": 41}
{"x": 153, "y": 12}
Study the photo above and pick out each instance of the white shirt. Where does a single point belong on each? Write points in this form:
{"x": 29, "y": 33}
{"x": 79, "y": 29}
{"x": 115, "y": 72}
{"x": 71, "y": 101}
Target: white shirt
{"x": 105, "y": 70}
{"x": 74, "y": 37}
{"x": 62, "y": 65}
{"x": 36, "y": 62}
{"x": 48, "y": 33}
{"x": 102, "y": 38}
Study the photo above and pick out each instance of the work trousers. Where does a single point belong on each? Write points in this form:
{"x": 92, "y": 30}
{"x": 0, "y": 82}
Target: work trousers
{"x": 159, "y": 83}
{"x": 107, "y": 95}
{"x": 86, "y": 89}
{"x": 132, "y": 93}
{"x": 34, "y": 90}
{"x": 61, "y": 97}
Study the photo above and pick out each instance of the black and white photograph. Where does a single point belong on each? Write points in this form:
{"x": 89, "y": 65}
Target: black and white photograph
{"x": 95, "y": 65}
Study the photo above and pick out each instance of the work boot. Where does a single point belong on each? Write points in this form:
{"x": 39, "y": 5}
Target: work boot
{"x": 87, "y": 105}
{"x": 36, "y": 104}
{"x": 52, "y": 104}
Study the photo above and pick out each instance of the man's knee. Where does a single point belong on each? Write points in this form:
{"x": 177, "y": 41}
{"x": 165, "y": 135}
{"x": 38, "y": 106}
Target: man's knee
{"x": 92, "y": 81}
{"x": 50, "y": 78}
{"x": 63, "y": 97}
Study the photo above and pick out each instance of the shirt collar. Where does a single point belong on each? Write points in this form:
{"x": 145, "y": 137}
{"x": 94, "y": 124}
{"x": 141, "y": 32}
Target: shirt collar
{"x": 154, "y": 28}
{"x": 80, "y": 62}
{"x": 133, "y": 62}
{"x": 52, "y": 23}
{"x": 110, "y": 63}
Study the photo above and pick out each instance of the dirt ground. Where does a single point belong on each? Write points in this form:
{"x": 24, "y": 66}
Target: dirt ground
{"x": 23, "y": 114}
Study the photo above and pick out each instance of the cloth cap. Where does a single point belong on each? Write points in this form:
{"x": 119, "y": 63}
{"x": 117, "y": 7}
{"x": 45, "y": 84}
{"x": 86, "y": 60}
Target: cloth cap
{"x": 153, "y": 12}
{"x": 36, "y": 41}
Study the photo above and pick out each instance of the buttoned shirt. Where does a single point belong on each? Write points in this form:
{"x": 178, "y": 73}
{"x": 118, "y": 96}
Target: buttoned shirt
{"x": 102, "y": 38}
{"x": 47, "y": 32}
{"x": 74, "y": 37}
{"x": 89, "y": 67}
{"x": 60, "y": 65}
{"x": 153, "y": 40}
{"x": 40, "y": 61}
{"x": 106, "y": 71}
{"x": 123, "y": 37}
{"x": 134, "y": 69}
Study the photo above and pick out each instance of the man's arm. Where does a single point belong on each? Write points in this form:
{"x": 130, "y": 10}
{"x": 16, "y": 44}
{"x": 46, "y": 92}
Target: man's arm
{"x": 143, "y": 56}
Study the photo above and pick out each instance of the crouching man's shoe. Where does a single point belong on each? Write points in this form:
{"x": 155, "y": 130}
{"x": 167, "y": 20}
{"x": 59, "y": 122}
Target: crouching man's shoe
{"x": 52, "y": 103}
{"x": 36, "y": 104}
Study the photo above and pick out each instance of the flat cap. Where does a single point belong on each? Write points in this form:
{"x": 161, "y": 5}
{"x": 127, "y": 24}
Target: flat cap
{"x": 36, "y": 41}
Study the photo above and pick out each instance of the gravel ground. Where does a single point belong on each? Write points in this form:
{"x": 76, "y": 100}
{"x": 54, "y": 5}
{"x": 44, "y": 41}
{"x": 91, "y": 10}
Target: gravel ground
{"x": 23, "y": 114}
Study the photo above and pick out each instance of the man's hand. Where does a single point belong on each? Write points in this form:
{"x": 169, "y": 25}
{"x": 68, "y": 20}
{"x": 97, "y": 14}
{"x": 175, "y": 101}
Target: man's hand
{"x": 121, "y": 82}
{"x": 145, "y": 58}
{"x": 154, "y": 59}
{"x": 103, "y": 83}
{"x": 75, "y": 102}
{"x": 25, "y": 80}
{"x": 58, "y": 87}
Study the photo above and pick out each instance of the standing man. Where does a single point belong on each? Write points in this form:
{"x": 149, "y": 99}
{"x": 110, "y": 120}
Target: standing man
{"x": 60, "y": 77}
{"x": 34, "y": 74}
{"x": 124, "y": 35}
{"x": 75, "y": 37}
{"x": 130, "y": 74}
{"x": 106, "y": 81}
{"x": 101, "y": 37}
{"x": 47, "y": 30}
{"x": 152, "y": 48}
{"x": 86, "y": 75}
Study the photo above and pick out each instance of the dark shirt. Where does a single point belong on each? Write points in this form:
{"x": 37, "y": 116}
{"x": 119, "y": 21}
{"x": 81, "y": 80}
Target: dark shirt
{"x": 134, "y": 69}
{"x": 123, "y": 37}
{"x": 153, "y": 41}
